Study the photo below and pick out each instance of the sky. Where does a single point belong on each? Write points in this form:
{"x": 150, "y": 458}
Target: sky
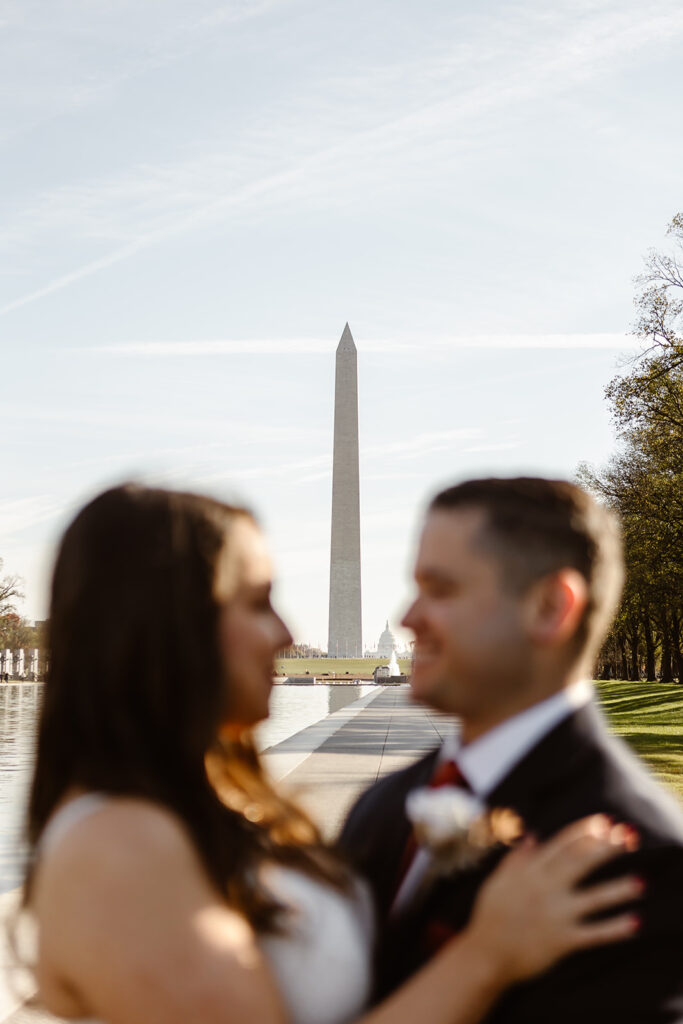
{"x": 197, "y": 196}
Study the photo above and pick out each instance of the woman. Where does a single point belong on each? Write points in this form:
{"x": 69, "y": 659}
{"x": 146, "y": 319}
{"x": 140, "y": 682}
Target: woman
{"x": 169, "y": 881}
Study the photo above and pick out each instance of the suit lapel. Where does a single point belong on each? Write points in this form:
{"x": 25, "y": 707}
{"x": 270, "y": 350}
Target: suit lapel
{"x": 532, "y": 787}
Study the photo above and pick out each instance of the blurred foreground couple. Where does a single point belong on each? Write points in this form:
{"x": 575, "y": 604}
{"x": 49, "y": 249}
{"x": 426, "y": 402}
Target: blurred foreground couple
{"x": 527, "y": 871}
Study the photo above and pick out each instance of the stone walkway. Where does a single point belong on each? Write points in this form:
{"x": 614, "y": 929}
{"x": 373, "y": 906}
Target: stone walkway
{"x": 388, "y": 734}
{"x": 325, "y": 767}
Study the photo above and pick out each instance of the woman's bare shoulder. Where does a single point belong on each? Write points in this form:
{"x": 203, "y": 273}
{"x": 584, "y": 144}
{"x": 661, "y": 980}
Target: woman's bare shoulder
{"x": 121, "y": 901}
{"x": 122, "y": 838}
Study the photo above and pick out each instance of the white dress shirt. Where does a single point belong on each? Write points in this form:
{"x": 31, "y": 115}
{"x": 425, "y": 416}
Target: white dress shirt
{"x": 486, "y": 761}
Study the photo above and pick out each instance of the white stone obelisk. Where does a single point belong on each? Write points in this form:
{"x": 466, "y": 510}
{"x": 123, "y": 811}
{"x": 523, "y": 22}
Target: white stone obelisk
{"x": 345, "y": 629}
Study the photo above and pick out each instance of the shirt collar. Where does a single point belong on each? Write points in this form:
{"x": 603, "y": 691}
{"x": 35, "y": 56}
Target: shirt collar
{"x": 487, "y": 760}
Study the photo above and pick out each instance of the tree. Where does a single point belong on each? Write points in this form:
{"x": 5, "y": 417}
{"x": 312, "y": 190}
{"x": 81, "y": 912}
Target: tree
{"x": 15, "y": 632}
{"x": 10, "y": 590}
{"x": 643, "y": 481}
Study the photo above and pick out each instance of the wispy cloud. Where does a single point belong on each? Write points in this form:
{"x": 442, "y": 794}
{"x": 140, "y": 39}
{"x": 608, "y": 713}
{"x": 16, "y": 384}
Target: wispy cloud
{"x": 235, "y": 13}
{"x": 403, "y": 449}
{"x": 19, "y": 514}
{"x": 173, "y": 422}
{"x": 172, "y": 227}
{"x": 214, "y": 347}
{"x": 267, "y": 470}
{"x": 495, "y": 446}
{"x": 421, "y": 444}
{"x": 438, "y": 344}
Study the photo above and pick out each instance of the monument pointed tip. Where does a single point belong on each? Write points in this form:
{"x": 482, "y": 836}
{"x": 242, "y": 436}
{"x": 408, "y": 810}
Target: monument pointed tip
{"x": 346, "y": 342}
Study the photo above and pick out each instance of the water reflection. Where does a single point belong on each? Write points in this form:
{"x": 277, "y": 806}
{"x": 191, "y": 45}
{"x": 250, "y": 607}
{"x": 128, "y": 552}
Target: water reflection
{"x": 19, "y": 706}
{"x": 292, "y": 708}
{"x": 340, "y": 696}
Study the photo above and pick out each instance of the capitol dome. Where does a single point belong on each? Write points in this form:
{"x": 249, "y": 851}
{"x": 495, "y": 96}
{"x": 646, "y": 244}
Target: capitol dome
{"x": 387, "y": 643}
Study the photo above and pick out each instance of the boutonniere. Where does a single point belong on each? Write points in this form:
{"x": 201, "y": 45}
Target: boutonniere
{"x": 457, "y": 828}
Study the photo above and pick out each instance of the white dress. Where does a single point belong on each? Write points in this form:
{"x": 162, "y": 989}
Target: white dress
{"x": 322, "y": 965}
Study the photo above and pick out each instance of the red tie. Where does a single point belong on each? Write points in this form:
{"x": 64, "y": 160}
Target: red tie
{"x": 446, "y": 773}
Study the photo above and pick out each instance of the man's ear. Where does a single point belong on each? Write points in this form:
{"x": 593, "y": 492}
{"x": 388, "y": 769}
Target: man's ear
{"x": 554, "y": 607}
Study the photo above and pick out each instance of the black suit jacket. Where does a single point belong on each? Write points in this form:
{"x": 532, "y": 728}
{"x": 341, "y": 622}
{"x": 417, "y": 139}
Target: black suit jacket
{"x": 575, "y": 770}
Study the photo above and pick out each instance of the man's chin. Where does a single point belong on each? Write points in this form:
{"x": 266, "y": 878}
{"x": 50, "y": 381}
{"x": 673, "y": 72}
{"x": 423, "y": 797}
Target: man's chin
{"x": 423, "y": 683}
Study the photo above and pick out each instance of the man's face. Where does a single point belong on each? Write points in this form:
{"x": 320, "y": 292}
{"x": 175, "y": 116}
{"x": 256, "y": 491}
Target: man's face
{"x": 471, "y": 649}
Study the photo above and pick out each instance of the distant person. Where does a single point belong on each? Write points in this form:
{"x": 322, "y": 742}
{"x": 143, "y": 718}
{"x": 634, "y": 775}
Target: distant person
{"x": 169, "y": 880}
{"x": 517, "y": 583}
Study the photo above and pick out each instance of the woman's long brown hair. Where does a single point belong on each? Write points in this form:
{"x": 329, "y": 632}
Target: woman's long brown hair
{"x": 136, "y": 688}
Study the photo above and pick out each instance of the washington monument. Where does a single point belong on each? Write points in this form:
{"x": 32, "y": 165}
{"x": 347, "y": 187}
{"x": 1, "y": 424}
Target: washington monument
{"x": 345, "y": 630}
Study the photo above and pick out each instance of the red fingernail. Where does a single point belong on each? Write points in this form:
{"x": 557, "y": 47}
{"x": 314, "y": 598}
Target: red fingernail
{"x": 630, "y": 836}
{"x": 635, "y": 922}
{"x": 640, "y": 882}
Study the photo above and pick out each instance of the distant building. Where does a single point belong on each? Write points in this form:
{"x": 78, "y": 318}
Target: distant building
{"x": 387, "y": 643}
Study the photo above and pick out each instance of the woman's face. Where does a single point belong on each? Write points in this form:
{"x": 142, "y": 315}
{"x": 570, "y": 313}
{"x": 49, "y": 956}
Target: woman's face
{"x": 250, "y": 632}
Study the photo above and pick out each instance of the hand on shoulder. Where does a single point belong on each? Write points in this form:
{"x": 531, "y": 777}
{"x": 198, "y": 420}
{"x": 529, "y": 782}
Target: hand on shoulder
{"x": 532, "y": 911}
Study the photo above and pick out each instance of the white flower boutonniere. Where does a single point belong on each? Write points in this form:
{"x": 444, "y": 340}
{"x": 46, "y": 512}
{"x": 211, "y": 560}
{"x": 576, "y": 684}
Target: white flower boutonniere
{"x": 457, "y": 828}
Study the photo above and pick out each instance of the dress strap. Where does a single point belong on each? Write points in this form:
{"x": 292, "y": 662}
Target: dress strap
{"x": 68, "y": 816}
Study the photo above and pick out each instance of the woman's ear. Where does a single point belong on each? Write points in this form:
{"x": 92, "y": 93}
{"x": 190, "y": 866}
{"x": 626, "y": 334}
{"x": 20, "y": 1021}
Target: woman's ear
{"x": 554, "y": 607}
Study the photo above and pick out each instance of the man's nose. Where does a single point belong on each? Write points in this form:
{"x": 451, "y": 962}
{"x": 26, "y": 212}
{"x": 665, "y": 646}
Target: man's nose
{"x": 285, "y": 637}
{"x": 412, "y": 616}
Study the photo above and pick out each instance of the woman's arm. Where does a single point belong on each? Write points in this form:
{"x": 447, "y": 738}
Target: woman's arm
{"x": 130, "y": 925}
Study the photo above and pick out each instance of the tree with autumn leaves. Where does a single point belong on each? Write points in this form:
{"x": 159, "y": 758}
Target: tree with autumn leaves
{"x": 15, "y": 631}
{"x": 10, "y": 592}
{"x": 643, "y": 481}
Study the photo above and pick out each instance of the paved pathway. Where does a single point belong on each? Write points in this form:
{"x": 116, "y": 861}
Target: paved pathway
{"x": 387, "y": 734}
{"x": 326, "y": 767}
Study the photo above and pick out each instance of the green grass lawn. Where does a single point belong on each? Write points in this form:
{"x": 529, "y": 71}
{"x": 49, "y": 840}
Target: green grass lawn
{"x": 649, "y": 716}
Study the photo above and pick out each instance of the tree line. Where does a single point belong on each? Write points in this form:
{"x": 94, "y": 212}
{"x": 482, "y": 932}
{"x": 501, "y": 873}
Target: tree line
{"x": 16, "y": 632}
{"x": 643, "y": 481}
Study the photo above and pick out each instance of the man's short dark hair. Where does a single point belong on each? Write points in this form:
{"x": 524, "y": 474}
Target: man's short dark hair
{"x": 535, "y": 527}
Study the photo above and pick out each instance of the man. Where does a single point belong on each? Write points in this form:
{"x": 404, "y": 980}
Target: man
{"x": 517, "y": 583}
